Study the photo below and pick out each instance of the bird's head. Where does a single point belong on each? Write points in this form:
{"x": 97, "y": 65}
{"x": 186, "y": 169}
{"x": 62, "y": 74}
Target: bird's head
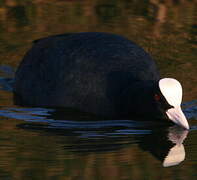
{"x": 169, "y": 98}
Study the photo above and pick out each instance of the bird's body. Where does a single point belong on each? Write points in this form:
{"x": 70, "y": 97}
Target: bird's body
{"x": 100, "y": 73}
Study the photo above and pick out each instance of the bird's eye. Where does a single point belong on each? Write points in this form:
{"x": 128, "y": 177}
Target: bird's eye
{"x": 157, "y": 97}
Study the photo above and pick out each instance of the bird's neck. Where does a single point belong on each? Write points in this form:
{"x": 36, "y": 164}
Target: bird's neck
{"x": 138, "y": 98}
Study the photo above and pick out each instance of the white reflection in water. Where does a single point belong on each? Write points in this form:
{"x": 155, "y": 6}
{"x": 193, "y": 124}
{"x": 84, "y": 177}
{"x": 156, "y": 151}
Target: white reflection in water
{"x": 177, "y": 153}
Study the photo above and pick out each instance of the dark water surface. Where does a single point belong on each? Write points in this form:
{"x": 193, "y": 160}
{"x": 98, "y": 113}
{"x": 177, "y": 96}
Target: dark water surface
{"x": 41, "y": 143}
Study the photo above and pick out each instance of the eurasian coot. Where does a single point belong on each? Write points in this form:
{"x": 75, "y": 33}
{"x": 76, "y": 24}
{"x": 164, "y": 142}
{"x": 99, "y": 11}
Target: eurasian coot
{"x": 100, "y": 73}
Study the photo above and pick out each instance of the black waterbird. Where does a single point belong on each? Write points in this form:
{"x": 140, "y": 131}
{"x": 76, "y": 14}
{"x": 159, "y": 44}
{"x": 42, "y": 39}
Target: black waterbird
{"x": 100, "y": 73}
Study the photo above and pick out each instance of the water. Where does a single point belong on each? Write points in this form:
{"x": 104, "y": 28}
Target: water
{"x": 41, "y": 143}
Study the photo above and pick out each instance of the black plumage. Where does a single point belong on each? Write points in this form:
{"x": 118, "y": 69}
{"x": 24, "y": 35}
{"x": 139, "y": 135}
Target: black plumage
{"x": 101, "y": 73}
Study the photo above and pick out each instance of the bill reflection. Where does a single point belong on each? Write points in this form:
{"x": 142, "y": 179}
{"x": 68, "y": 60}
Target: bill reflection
{"x": 176, "y": 154}
{"x": 166, "y": 145}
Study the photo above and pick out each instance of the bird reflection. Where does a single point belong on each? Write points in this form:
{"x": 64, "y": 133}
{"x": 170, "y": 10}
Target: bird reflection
{"x": 166, "y": 145}
{"x": 177, "y": 153}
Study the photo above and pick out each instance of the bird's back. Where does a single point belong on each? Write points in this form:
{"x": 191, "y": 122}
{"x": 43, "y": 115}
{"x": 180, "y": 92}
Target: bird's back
{"x": 87, "y": 71}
